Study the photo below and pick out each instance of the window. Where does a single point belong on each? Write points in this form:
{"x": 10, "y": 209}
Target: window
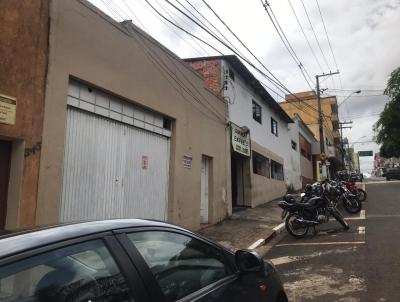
{"x": 260, "y": 165}
{"x": 294, "y": 145}
{"x": 82, "y": 272}
{"x": 167, "y": 123}
{"x": 274, "y": 127}
{"x": 276, "y": 170}
{"x": 257, "y": 112}
{"x": 180, "y": 264}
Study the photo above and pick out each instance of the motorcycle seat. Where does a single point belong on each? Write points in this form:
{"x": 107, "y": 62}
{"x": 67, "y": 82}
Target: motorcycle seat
{"x": 289, "y": 198}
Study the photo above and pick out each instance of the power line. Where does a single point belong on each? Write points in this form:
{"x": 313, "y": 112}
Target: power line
{"x": 206, "y": 20}
{"x": 329, "y": 42}
{"x": 274, "y": 80}
{"x": 159, "y": 64}
{"x": 174, "y": 30}
{"x": 315, "y": 35}
{"x": 285, "y": 40}
{"x": 277, "y": 83}
{"x": 305, "y": 36}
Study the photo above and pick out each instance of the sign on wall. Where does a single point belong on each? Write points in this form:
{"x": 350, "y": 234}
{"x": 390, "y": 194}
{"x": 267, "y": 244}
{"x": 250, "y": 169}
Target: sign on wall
{"x": 187, "y": 161}
{"x": 145, "y": 162}
{"x": 240, "y": 140}
{"x": 8, "y": 109}
{"x": 365, "y": 153}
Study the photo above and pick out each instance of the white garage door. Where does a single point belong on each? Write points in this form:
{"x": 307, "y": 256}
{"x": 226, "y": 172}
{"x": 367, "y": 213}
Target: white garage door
{"x": 112, "y": 170}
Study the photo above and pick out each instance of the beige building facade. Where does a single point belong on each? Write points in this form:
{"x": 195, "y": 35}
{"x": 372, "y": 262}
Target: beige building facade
{"x": 129, "y": 129}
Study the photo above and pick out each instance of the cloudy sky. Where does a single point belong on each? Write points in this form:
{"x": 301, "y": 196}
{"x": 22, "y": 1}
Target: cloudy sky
{"x": 363, "y": 35}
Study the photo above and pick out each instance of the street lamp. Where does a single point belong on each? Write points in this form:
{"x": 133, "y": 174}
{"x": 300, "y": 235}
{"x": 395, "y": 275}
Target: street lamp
{"x": 354, "y": 92}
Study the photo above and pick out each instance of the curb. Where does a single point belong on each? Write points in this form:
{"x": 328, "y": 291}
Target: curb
{"x": 275, "y": 231}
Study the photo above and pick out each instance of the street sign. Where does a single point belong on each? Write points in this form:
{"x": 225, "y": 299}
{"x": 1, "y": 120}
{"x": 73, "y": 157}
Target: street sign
{"x": 322, "y": 156}
{"x": 365, "y": 153}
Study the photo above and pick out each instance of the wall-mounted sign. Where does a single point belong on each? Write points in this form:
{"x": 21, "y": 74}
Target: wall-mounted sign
{"x": 187, "y": 161}
{"x": 145, "y": 162}
{"x": 365, "y": 153}
{"x": 8, "y": 109}
{"x": 240, "y": 140}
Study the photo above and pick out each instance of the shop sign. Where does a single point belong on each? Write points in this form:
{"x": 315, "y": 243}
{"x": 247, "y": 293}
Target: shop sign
{"x": 240, "y": 140}
{"x": 8, "y": 109}
{"x": 187, "y": 161}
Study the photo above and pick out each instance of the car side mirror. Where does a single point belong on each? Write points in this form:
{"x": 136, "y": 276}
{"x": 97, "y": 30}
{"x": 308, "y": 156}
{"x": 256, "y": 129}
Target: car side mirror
{"x": 248, "y": 261}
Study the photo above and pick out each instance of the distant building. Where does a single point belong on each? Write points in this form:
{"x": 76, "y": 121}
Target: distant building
{"x": 265, "y": 170}
{"x": 305, "y": 105}
{"x": 307, "y": 150}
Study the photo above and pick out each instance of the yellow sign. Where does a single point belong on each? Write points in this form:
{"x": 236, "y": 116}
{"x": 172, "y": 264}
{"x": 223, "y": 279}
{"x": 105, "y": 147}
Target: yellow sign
{"x": 8, "y": 109}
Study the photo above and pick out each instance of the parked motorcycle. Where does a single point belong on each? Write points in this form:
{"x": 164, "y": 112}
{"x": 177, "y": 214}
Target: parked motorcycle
{"x": 299, "y": 217}
{"x": 352, "y": 187}
{"x": 340, "y": 194}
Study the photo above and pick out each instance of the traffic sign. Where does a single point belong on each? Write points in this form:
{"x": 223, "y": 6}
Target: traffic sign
{"x": 322, "y": 156}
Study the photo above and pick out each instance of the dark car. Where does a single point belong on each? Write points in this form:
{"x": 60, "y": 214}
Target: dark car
{"x": 129, "y": 260}
{"x": 392, "y": 173}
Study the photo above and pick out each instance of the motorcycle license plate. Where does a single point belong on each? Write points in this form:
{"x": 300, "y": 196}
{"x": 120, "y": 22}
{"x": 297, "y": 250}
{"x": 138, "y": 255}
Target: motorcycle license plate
{"x": 284, "y": 212}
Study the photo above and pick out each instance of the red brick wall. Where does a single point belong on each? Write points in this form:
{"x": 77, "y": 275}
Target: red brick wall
{"x": 211, "y": 71}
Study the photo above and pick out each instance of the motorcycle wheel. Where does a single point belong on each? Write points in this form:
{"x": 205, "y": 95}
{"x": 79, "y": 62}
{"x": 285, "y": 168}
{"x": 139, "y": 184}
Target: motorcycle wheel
{"x": 295, "y": 229}
{"x": 361, "y": 195}
{"x": 339, "y": 217}
{"x": 352, "y": 205}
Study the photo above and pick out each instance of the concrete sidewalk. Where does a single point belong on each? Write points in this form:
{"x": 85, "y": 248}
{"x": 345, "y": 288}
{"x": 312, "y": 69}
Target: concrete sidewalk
{"x": 247, "y": 227}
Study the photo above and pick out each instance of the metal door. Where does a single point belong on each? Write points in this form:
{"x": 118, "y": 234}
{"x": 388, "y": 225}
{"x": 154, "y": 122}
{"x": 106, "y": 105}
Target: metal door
{"x": 204, "y": 189}
{"x": 112, "y": 170}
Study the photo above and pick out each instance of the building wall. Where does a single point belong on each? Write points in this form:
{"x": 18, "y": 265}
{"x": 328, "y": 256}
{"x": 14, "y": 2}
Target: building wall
{"x": 240, "y": 96}
{"x": 310, "y": 116}
{"x": 23, "y": 61}
{"x": 89, "y": 46}
{"x": 211, "y": 71}
{"x": 295, "y": 156}
{"x": 263, "y": 188}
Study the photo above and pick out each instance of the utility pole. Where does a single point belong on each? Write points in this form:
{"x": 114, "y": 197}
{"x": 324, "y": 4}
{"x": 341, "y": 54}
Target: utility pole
{"x": 342, "y": 125}
{"x": 321, "y": 121}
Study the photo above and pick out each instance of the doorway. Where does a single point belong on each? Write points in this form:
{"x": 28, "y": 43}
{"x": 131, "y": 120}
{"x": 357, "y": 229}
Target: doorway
{"x": 5, "y": 160}
{"x": 205, "y": 185}
{"x": 238, "y": 180}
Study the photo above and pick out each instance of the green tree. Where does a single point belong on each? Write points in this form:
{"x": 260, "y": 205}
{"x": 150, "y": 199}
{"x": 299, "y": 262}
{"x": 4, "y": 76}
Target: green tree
{"x": 387, "y": 128}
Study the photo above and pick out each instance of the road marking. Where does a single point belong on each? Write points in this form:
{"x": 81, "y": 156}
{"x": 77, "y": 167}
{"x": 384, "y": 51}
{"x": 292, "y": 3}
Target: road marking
{"x": 320, "y": 243}
{"x": 361, "y": 230}
{"x": 362, "y": 216}
{"x": 279, "y": 228}
{"x": 256, "y": 244}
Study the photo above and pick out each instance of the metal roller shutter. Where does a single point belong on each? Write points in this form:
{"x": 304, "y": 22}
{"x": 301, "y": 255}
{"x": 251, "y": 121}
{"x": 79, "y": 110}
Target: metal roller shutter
{"x": 112, "y": 170}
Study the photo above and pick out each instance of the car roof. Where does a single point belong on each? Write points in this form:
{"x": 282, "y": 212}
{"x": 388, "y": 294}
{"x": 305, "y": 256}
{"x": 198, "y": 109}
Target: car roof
{"x": 18, "y": 241}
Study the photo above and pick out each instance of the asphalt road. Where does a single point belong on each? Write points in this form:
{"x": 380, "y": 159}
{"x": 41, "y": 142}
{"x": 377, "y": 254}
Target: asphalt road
{"x": 362, "y": 264}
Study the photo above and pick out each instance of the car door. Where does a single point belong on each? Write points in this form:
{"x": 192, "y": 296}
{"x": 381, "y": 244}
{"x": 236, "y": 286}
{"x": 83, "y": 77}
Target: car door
{"x": 179, "y": 266}
{"x": 90, "y": 269}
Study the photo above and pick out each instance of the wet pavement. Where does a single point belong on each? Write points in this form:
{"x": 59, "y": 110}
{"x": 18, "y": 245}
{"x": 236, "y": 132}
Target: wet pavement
{"x": 361, "y": 264}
